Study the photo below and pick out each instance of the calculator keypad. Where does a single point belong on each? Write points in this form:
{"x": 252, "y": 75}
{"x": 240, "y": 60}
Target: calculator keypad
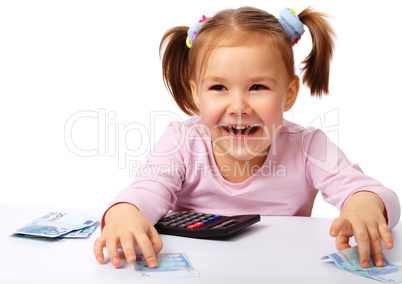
{"x": 188, "y": 220}
{"x": 201, "y": 225}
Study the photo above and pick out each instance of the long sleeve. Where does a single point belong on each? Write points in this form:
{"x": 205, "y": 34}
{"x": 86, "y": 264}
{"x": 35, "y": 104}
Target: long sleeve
{"x": 329, "y": 171}
{"x": 154, "y": 189}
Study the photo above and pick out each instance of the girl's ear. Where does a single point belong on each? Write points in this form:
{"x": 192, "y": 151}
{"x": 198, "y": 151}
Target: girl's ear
{"x": 292, "y": 93}
{"x": 194, "y": 92}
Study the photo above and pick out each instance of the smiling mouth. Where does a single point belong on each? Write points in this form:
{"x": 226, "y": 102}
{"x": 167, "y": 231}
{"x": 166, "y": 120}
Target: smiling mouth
{"x": 241, "y": 130}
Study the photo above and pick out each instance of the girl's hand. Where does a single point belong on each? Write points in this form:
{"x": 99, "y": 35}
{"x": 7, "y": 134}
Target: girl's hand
{"x": 363, "y": 217}
{"x": 125, "y": 226}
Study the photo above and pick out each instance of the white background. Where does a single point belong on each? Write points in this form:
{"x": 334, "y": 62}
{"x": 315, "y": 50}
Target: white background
{"x": 63, "y": 60}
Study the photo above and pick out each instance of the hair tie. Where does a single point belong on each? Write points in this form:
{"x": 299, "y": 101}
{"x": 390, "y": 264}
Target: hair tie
{"x": 193, "y": 31}
{"x": 287, "y": 17}
{"x": 292, "y": 24}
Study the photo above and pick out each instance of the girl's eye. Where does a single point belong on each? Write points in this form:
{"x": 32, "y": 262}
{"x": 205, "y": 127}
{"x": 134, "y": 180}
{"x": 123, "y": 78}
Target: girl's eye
{"x": 218, "y": 88}
{"x": 258, "y": 88}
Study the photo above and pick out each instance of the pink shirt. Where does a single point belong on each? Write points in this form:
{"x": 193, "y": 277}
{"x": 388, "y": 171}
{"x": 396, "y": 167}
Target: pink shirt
{"x": 181, "y": 174}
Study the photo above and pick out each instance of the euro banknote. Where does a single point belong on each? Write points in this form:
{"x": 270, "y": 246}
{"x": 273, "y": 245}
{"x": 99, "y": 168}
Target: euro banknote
{"x": 348, "y": 260}
{"x": 55, "y": 224}
{"x": 169, "y": 265}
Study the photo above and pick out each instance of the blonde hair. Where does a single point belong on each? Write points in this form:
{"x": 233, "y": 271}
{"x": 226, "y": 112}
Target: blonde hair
{"x": 236, "y": 25}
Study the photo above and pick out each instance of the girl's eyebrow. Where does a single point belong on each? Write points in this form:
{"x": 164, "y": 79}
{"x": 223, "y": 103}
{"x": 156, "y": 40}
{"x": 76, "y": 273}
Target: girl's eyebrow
{"x": 213, "y": 78}
{"x": 263, "y": 78}
{"x": 253, "y": 79}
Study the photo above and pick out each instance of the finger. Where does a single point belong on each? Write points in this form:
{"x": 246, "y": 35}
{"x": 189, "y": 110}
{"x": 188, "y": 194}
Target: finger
{"x": 386, "y": 235}
{"x": 363, "y": 245}
{"x": 127, "y": 244}
{"x": 98, "y": 249}
{"x": 341, "y": 229}
{"x": 156, "y": 241}
{"x": 111, "y": 246}
{"x": 341, "y": 225}
{"x": 145, "y": 245}
{"x": 342, "y": 242}
{"x": 376, "y": 247}
{"x": 335, "y": 227}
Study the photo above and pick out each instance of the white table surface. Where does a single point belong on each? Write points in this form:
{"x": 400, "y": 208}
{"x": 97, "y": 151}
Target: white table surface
{"x": 275, "y": 250}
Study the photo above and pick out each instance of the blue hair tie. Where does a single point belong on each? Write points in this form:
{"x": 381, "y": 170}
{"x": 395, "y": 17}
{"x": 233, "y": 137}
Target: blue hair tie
{"x": 193, "y": 31}
{"x": 292, "y": 24}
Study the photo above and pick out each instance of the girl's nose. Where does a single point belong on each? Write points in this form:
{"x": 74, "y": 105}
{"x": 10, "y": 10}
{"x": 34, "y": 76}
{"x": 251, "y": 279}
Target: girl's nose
{"x": 238, "y": 105}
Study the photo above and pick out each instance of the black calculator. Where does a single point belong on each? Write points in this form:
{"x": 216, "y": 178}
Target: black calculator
{"x": 201, "y": 225}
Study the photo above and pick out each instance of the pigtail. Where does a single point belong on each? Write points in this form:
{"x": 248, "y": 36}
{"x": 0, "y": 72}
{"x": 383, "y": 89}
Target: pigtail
{"x": 317, "y": 64}
{"x": 175, "y": 68}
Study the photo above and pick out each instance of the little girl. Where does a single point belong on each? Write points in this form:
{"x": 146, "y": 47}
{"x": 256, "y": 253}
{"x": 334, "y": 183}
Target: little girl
{"x": 235, "y": 72}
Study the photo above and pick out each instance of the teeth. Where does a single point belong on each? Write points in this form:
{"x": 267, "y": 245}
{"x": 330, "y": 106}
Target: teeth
{"x": 239, "y": 127}
{"x": 241, "y": 130}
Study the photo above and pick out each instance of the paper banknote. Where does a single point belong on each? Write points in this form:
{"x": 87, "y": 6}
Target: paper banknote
{"x": 82, "y": 233}
{"x": 348, "y": 260}
{"x": 55, "y": 224}
{"x": 169, "y": 265}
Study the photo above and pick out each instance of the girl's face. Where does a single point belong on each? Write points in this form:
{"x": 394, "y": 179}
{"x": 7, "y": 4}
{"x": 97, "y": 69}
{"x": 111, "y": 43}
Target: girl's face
{"x": 242, "y": 94}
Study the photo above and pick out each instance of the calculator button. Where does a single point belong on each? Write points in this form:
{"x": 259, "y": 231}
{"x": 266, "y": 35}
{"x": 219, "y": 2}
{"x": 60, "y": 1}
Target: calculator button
{"x": 198, "y": 224}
